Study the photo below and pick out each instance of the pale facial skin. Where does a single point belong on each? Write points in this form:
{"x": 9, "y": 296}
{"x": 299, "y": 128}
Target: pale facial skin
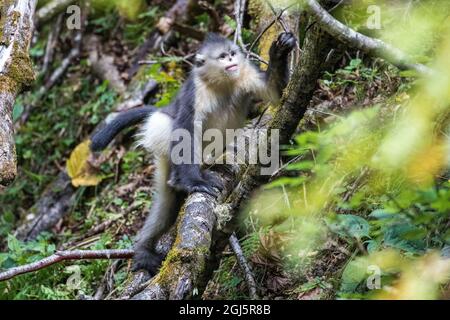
{"x": 221, "y": 61}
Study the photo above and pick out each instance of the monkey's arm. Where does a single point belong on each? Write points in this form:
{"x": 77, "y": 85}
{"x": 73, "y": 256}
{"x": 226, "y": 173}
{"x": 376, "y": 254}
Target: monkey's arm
{"x": 188, "y": 176}
{"x": 277, "y": 74}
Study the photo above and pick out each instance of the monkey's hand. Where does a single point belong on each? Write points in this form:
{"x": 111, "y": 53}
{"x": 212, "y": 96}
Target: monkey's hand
{"x": 283, "y": 45}
{"x": 145, "y": 259}
{"x": 192, "y": 180}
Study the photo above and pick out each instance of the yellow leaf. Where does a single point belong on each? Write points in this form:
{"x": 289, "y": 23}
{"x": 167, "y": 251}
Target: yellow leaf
{"x": 427, "y": 163}
{"x": 78, "y": 167}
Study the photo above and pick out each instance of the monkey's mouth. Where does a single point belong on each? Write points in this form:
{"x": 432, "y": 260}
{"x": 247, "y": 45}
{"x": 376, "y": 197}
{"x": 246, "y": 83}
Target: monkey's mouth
{"x": 232, "y": 67}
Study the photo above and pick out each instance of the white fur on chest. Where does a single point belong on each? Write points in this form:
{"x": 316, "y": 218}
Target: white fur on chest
{"x": 226, "y": 106}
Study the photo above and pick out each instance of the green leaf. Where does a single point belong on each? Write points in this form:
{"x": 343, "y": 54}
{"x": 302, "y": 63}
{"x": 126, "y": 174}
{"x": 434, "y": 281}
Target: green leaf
{"x": 17, "y": 111}
{"x": 350, "y": 225}
{"x": 13, "y": 244}
{"x": 372, "y": 246}
{"x": 381, "y": 214}
{"x": 399, "y": 236}
{"x": 354, "y": 273}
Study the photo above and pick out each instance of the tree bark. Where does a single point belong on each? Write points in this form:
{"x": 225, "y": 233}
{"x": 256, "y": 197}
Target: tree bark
{"x": 16, "y": 73}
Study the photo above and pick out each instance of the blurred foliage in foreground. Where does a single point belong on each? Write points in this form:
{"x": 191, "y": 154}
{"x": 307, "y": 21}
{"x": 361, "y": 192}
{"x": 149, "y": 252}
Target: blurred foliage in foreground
{"x": 378, "y": 179}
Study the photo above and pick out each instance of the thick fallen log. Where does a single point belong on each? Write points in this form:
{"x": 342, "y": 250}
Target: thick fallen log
{"x": 16, "y": 73}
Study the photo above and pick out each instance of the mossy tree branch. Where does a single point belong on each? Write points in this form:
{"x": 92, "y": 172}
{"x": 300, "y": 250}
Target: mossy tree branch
{"x": 16, "y": 73}
{"x": 355, "y": 39}
{"x": 52, "y": 9}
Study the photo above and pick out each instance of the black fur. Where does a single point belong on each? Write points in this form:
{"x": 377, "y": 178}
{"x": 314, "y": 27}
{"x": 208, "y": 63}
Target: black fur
{"x": 102, "y": 137}
{"x": 277, "y": 73}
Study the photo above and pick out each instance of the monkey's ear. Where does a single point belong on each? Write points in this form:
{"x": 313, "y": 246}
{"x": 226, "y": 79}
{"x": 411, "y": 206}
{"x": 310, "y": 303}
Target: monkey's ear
{"x": 199, "y": 60}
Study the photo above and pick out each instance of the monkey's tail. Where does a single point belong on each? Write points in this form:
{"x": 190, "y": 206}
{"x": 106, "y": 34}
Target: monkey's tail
{"x": 119, "y": 121}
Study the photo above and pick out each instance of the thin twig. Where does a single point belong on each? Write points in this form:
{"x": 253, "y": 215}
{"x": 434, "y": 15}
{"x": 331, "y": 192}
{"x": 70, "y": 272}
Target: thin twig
{"x": 239, "y": 8}
{"x": 236, "y": 247}
{"x": 336, "y": 6}
{"x": 67, "y": 255}
{"x": 280, "y": 20}
{"x": 51, "y": 45}
{"x": 107, "y": 281}
{"x": 264, "y": 31}
{"x": 277, "y": 18}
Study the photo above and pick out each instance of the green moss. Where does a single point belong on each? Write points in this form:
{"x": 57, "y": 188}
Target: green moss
{"x": 176, "y": 261}
{"x": 8, "y": 85}
{"x": 21, "y": 68}
{"x": 20, "y": 73}
{"x": 8, "y": 171}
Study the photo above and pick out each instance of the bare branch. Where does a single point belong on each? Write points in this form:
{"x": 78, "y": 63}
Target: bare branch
{"x": 236, "y": 247}
{"x": 103, "y": 65}
{"x": 51, "y": 44}
{"x": 212, "y": 12}
{"x": 51, "y": 10}
{"x": 280, "y": 19}
{"x": 355, "y": 39}
{"x": 67, "y": 62}
{"x": 277, "y": 18}
{"x": 67, "y": 255}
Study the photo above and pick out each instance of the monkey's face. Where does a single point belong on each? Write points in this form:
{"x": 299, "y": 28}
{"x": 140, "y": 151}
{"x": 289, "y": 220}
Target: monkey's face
{"x": 220, "y": 62}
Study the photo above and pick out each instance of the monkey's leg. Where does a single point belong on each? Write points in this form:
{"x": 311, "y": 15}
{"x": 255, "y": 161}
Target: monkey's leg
{"x": 162, "y": 216}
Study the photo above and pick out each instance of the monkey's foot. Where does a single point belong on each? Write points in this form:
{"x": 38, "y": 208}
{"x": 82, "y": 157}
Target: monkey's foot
{"x": 213, "y": 179}
{"x": 208, "y": 183}
{"x": 147, "y": 260}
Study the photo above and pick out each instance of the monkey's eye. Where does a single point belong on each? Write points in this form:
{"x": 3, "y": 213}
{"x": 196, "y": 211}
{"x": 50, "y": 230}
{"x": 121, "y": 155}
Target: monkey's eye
{"x": 233, "y": 53}
{"x": 222, "y": 56}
